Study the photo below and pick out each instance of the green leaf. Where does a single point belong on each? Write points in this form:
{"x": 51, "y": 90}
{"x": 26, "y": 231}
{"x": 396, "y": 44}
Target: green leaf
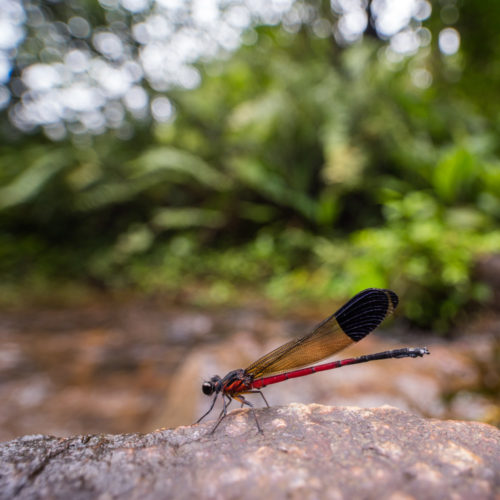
{"x": 177, "y": 218}
{"x": 168, "y": 161}
{"x": 456, "y": 176}
{"x": 33, "y": 179}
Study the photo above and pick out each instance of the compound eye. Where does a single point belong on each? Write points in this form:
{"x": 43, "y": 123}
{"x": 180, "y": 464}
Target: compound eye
{"x": 207, "y": 388}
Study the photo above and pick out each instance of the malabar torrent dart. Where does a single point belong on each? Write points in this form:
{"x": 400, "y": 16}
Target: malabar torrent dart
{"x": 351, "y": 323}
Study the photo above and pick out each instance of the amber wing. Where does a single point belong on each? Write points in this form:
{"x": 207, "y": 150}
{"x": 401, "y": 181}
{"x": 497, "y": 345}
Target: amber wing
{"x": 352, "y": 322}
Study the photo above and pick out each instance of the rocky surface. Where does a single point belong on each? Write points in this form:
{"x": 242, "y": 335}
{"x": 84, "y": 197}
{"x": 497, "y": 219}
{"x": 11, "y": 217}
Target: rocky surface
{"x": 306, "y": 451}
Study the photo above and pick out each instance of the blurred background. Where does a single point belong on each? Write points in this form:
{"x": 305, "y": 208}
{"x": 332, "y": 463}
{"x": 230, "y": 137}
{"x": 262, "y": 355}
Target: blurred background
{"x": 186, "y": 184}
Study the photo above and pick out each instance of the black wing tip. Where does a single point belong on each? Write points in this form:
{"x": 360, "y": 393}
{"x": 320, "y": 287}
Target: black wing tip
{"x": 365, "y": 311}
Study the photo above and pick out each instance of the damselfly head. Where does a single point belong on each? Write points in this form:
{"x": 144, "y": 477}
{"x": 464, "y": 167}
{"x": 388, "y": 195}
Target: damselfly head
{"x": 209, "y": 387}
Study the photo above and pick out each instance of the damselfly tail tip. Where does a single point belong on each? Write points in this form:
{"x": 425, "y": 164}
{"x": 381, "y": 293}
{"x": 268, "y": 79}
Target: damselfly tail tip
{"x": 419, "y": 352}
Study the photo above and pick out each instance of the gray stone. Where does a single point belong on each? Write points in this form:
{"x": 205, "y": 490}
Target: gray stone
{"x": 306, "y": 451}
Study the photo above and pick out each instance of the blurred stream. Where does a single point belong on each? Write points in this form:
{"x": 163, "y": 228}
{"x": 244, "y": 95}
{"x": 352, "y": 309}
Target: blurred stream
{"x": 137, "y": 365}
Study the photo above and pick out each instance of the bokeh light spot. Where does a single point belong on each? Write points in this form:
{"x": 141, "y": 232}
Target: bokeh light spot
{"x": 449, "y": 41}
{"x": 79, "y": 27}
{"x": 162, "y": 109}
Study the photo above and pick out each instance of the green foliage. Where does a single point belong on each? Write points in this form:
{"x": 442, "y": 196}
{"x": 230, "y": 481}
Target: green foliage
{"x": 298, "y": 169}
{"x": 456, "y": 177}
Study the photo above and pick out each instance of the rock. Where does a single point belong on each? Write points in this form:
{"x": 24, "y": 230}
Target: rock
{"x": 306, "y": 451}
